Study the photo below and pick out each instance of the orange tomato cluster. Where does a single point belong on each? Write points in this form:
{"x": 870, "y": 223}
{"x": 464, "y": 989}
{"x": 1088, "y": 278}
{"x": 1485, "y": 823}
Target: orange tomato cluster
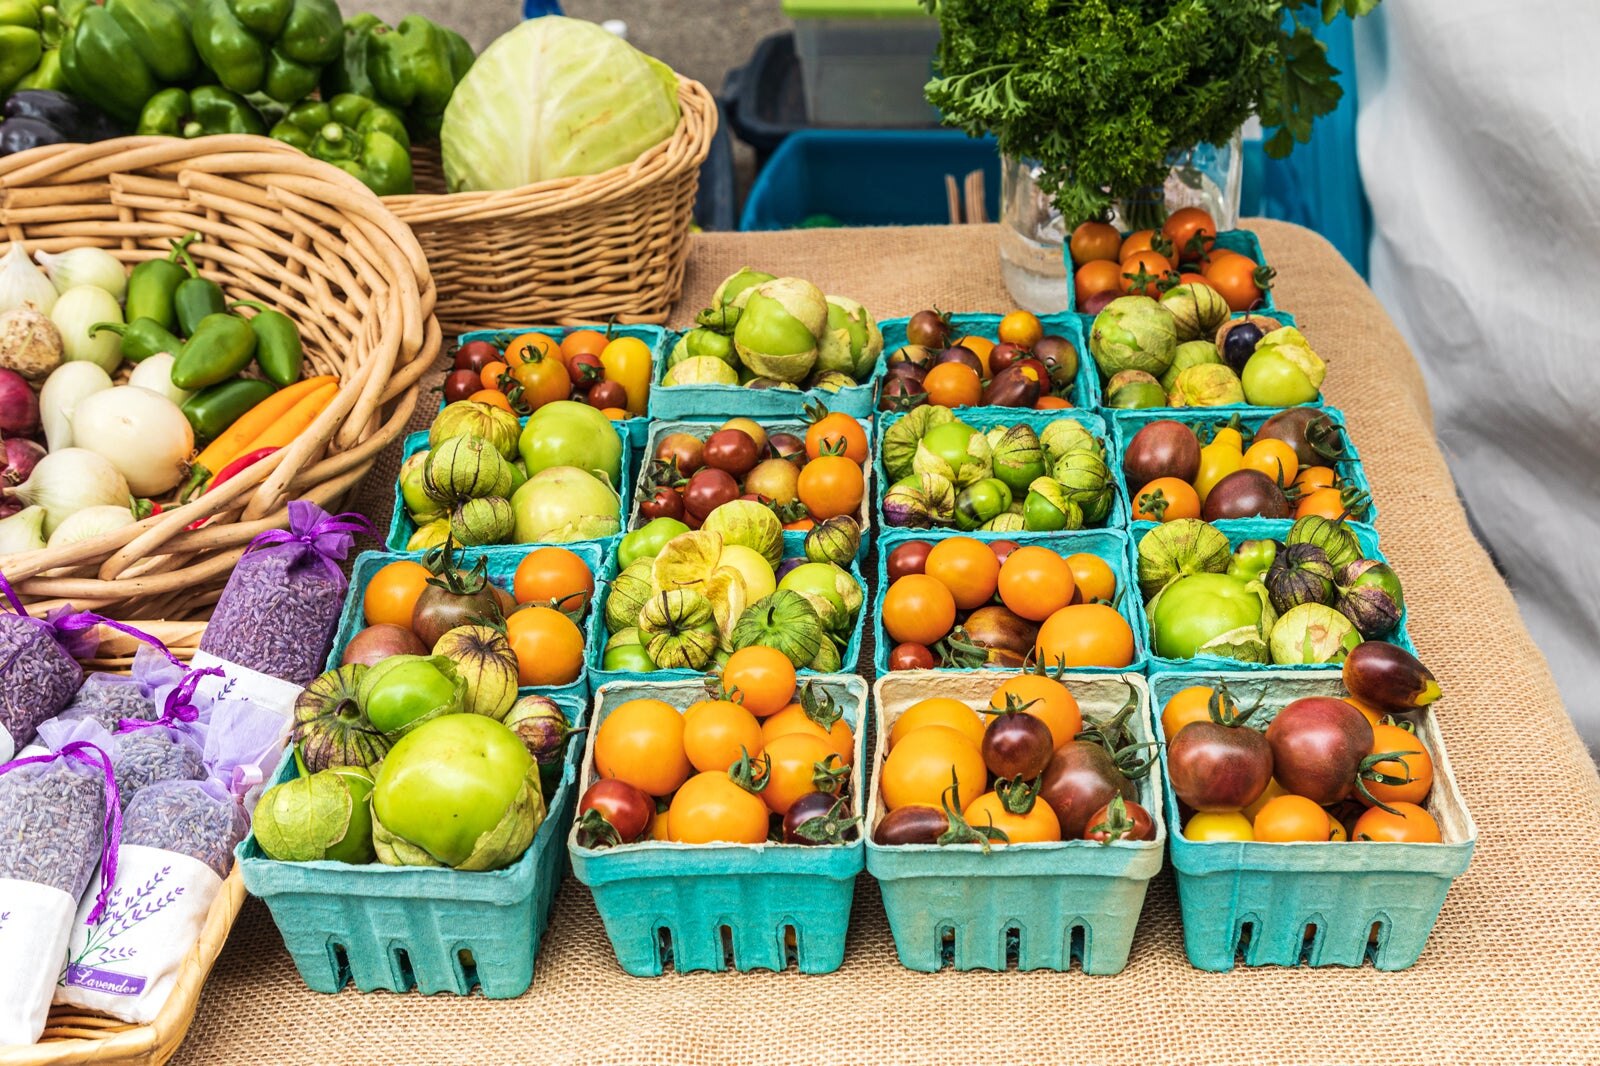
{"x": 550, "y": 592}
{"x": 731, "y": 769}
{"x": 1278, "y": 816}
{"x": 964, "y": 602}
{"x": 1022, "y": 367}
{"x": 1184, "y": 251}
{"x": 534, "y": 369}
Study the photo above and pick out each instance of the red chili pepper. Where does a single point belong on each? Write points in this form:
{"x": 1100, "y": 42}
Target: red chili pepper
{"x": 244, "y": 461}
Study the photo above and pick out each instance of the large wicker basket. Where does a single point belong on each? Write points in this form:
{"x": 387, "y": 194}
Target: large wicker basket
{"x": 75, "y": 1036}
{"x": 275, "y": 226}
{"x": 587, "y": 249}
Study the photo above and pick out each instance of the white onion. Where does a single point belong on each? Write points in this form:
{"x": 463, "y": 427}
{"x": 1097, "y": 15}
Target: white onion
{"x": 23, "y": 531}
{"x": 80, "y": 308}
{"x": 85, "y": 266}
{"x": 141, "y": 432}
{"x": 23, "y": 283}
{"x": 67, "y": 481}
{"x": 155, "y": 373}
{"x": 66, "y": 387}
{"x": 90, "y": 523}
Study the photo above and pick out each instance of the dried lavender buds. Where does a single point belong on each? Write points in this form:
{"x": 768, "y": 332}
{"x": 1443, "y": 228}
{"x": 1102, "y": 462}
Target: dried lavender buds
{"x": 51, "y": 820}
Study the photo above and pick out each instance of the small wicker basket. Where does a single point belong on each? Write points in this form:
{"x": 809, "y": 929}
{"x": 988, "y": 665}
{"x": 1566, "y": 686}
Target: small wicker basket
{"x": 571, "y": 250}
{"x": 275, "y": 226}
{"x": 76, "y": 1036}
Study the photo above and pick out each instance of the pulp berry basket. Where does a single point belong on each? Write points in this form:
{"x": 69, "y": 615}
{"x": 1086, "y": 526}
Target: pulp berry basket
{"x": 1112, "y": 545}
{"x": 1037, "y": 905}
{"x": 402, "y": 527}
{"x": 654, "y": 338}
{"x": 712, "y": 906}
{"x": 578, "y": 249}
{"x": 599, "y": 675}
{"x": 1085, "y": 383}
{"x": 986, "y": 418}
{"x": 794, "y": 540}
{"x": 275, "y": 226}
{"x": 1239, "y": 530}
{"x": 429, "y": 928}
{"x": 503, "y": 561}
{"x": 1243, "y": 241}
{"x": 722, "y": 401}
{"x": 1126, "y": 424}
{"x": 1326, "y": 904}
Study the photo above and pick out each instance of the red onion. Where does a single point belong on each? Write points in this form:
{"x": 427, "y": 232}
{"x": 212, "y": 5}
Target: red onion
{"x": 8, "y": 509}
{"x": 19, "y": 456}
{"x": 19, "y": 404}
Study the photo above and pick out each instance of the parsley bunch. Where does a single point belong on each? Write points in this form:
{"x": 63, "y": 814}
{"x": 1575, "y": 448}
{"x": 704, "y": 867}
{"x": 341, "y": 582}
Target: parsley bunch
{"x": 1100, "y": 92}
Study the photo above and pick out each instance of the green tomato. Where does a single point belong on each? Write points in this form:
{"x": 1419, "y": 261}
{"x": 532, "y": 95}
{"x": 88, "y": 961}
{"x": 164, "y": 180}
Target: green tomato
{"x": 1196, "y": 609}
{"x": 820, "y": 579}
{"x": 1272, "y": 380}
{"x": 647, "y": 541}
{"x": 406, "y": 692}
{"x": 450, "y": 781}
{"x": 949, "y": 442}
{"x": 629, "y": 657}
{"x": 981, "y": 501}
{"x": 356, "y": 847}
{"x": 1252, "y": 558}
{"x": 569, "y": 433}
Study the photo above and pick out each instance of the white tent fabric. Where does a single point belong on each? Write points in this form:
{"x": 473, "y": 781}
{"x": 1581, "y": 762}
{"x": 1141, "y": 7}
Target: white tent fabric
{"x": 1479, "y": 146}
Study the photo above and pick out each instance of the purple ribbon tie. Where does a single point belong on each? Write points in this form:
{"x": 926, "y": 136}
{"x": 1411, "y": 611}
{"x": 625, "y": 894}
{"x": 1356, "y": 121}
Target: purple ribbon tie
{"x": 111, "y": 830}
{"x": 179, "y": 706}
{"x": 72, "y": 629}
{"x": 327, "y": 537}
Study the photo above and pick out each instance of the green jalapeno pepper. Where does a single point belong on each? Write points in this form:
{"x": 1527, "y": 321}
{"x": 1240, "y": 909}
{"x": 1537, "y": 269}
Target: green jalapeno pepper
{"x": 152, "y": 284}
{"x": 220, "y": 347}
{"x": 196, "y": 298}
{"x": 212, "y": 410}
{"x": 279, "y": 352}
{"x": 141, "y": 338}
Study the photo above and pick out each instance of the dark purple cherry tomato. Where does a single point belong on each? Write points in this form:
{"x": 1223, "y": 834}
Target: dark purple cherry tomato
{"x": 1318, "y": 744}
{"x": 709, "y": 489}
{"x": 1017, "y": 745}
{"x": 625, "y": 809}
{"x": 1081, "y": 778}
{"x": 607, "y": 393}
{"x": 1246, "y": 494}
{"x": 787, "y": 446}
{"x": 475, "y": 355}
{"x": 585, "y": 369}
{"x": 929, "y": 329}
{"x": 818, "y": 818}
{"x": 732, "y": 450}
{"x": 963, "y": 355}
{"x": 912, "y": 825}
{"x": 1164, "y": 448}
{"x": 900, "y": 393}
{"x": 1005, "y": 354}
{"x": 1217, "y": 767}
{"x": 665, "y": 502}
{"x": 908, "y": 557}
{"x": 686, "y": 451}
{"x": 912, "y": 657}
{"x": 459, "y": 384}
{"x": 1136, "y": 824}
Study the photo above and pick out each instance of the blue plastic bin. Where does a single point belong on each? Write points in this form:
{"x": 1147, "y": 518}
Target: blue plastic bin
{"x": 1038, "y": 905}
{"x": 1125, "y": 424}
{"x": 1086, "y": 383}
{"x": 1284, "y": 904}
{"x": 401, "y": 527}
{"x": 1112, "y": 545}
{"x": 1243, "y": 241}
{"x": 691, "y": 906}
{"x": 503, "y": 560}
{"x": 1239, "y": 530}
{"x": 986, "y": 418}
{"x": 398, "y": 928}
{"x": 867, "y": 178}
{"x": 794, "y": 540}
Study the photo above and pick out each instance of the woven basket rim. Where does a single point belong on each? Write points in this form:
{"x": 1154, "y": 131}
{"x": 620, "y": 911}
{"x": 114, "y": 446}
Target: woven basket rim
{"x": 685, "y": 150}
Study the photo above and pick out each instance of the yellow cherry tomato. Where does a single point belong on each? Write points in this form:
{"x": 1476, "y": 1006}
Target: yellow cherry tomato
{"x": 627, "y": 362}
{"x": 1217, "y": 460}
{"x": 1222, "y": 825}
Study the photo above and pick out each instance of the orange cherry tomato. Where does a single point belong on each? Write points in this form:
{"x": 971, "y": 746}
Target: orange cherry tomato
{"x": 1140, "y": 240}
{"x": 1152, "y": 264}
{"x": 1093, "y": 576}
{"x": 1096, "y": 276}
{"x": 543, "y": 379}
{"x": 641, "y": 742}
{"x": 1037, "y": 826}
{"x": 492, "y": 397}
{"x": 1192, "y": 232}
{"x": 1192, "y": 704}
{"x": 965, "y": 566}
{"x": 1328, "y": 503}
{"x": 718, "y": 733}
{"x": 978, "y": 346}
{"x": 1034, "y": 582}
{"x": 1368, "y": 711}
{"x": 918, "y": 609}
{"x": 1021, "y": 328}
{"x": 713, "y": 808}
{"x": 794, "y": 764}
{"x": 1290, "y": 818}
{"x": 1418, "y": 766}
{"x": 523, "y": 345}
{"x": 953, "y": 385}
{"x": 1189, "y": 277}
{"x": 546, "y": 575}
{"x": 759, "y": 678}
{"x": 1047, "y": 700}
{"x": 920, "y": 768}
{"x": 1051, "y": 402}
{"x": 1316, "y": 477}
{"x": 1274, "y": 458}
{"x": 549, "y": 646}
{"x": 489, "y": 376}
{"x": 616, "y": 414}
{"x": 1411, "y": 825}
{"x": 1239, "y": 280}
{"x": 802, "y": 524}
{"x": 837, "y": 434}
{"x": 832, "y": 485}
{"x": 391, "y": 596}
{"x": 794, "y": 719}
{"x": 1268, "y": 794}
{"x": 1095, "y": 240}
{"x": 583, "y": 342}
{"x": 1166, "y": 499}
{"x": 938, "y": 710}
{"x": 1085, "y": 634}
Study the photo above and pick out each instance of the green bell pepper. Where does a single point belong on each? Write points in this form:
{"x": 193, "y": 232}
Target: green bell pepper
{"x": 276, "y": 47}
{"x": 31, "y": 32}
{"x": 413, "y": 67}
{"x": 364, "y": 139}
{"x": 118, "y": 56}
{"x": 201, "y": 112}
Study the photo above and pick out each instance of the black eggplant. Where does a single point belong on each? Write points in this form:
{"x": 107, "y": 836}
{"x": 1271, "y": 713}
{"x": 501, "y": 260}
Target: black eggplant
{"x": 35, "y": 117}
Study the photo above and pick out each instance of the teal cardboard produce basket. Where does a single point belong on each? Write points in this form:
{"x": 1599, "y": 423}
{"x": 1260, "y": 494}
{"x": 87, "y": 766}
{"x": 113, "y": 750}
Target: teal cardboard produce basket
{"x": 401, "y": 527}
{"x": 502, "y": 560}
{"x": 794, "y": 540}
{"x": 1085, "y": 383}
{"x": 1112, "y": 545}
{"x": 709, "y": 906}
{"x": 432, "y": 929}
{"x": 1239, "y": 530}
{"x": 1126, "y": 424}
{"x": 1039, "y": 906}
{"x": 655, "y": 337}
{"x": 986, "y": 418}
{"x": 1243, "y": 241}
{"x": 702, "y": 402}
{"x": 1326, "y": 904}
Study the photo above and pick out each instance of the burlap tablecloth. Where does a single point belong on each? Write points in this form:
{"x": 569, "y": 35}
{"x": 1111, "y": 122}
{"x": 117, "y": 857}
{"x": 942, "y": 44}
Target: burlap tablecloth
{"x": 1509, "y": 975}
